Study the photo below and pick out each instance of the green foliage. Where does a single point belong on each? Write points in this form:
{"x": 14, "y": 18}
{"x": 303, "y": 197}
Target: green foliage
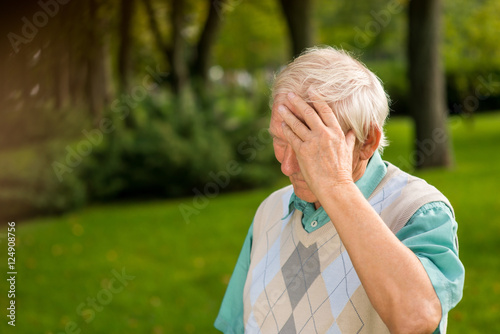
{"x": 471, "y": 38}
{"x": 30, "y": 185}
{"x": 472, "y": 54}
{"x": 393, "y": 75}
{"x": 156, "y": 157}
{"x": 175, "y": 145}
{"x": 54, "y": 196}
{"x": 252, "y": 35}
{"x": 373, "y": 29}
{"x": 36, "y": 189}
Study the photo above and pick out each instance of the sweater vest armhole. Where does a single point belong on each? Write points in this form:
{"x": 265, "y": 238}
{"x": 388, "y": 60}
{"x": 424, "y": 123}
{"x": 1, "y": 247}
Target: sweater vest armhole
{"x": 414, "y": 194}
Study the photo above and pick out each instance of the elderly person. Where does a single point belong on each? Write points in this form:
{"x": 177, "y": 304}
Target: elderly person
{"x": 354, "y": 244}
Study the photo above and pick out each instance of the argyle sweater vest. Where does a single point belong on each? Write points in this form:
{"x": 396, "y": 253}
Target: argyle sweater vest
{"x": 301, "y": 282}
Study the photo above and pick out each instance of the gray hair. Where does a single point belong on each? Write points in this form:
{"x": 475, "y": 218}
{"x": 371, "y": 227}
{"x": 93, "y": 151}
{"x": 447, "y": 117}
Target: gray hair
{"x": 354, "y": 93}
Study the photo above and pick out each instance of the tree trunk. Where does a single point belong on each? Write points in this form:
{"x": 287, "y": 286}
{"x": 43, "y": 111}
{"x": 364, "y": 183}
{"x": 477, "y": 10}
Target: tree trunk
{"x": 155, "y": 29}
{"x": 60, "y": 83}
{"x": 177, "y": 57}
{"x": 125, "y": 43}
{"x": 298, "y": 18}
{"x": 96, "y": 78}
{"x": 427, "y": 84}
{"x": 60, "y": 63}
{"x": 203, "y": 50}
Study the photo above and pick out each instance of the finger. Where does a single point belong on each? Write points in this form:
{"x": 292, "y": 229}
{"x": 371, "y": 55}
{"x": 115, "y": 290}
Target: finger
{"x": 324, "y": 111}
{"x": 350, "y": 139}
{"x": 301, "y": 107}
{"x": 298, "y": 128}
{"x": 292, "y": 138}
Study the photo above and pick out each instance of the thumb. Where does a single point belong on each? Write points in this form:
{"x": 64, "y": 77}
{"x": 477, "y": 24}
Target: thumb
{"x": 350, "y": 139}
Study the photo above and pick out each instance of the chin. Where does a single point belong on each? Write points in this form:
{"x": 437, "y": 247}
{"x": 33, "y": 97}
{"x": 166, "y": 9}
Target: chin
{"x": 304, "y": 194}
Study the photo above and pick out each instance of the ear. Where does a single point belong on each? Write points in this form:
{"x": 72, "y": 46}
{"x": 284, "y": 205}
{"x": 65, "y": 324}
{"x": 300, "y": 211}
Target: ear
{"x": 371, "y": 143}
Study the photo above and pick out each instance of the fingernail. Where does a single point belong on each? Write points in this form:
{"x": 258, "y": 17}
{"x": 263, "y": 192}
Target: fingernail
{"x": 281, "y": 109}
{"x": 291, "y": 95}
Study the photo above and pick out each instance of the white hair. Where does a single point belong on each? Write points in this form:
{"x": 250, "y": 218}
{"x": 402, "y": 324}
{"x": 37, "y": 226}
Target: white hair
{"x": 354, "y": 93}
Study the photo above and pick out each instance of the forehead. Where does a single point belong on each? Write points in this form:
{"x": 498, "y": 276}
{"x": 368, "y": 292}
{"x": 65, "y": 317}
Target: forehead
{"x": 276, "y": 119}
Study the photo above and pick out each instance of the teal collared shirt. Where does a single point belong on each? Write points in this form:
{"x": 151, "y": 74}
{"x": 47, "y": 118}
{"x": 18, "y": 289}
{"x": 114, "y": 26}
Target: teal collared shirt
{"x": 430, "y": 234}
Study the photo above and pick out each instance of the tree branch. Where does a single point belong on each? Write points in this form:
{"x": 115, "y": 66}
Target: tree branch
{"x": 155, "y": 28}
{"x": 298, "y": 18}
{"x": 201, "y": 59}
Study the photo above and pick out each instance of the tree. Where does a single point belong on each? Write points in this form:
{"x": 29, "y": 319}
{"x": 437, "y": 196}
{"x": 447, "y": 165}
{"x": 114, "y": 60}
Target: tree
{"x": 427, "y": 84}
{"x": 188, "y": 65}
{"x": 51, "y": 65}
{"x": 127, "y": 8}
{"x": 201, "y": 60}
{"x": 97, "y": 75}
{"x": 298, "y": 18}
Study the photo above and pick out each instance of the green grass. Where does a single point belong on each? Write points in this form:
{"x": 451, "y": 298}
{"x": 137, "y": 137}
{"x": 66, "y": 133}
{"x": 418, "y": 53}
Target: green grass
{"x": 181, "y": 270}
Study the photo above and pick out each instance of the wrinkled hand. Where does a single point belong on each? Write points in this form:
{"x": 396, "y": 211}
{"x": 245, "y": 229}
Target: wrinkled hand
{"x": 324, "y": 154}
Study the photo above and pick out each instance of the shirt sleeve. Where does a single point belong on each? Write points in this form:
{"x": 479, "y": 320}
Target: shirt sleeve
{"x": 230, "y": 318}
{"x": 431, "y": 233}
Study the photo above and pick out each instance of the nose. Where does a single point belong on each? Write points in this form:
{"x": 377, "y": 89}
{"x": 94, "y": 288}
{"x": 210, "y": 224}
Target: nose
{"x": 289, "y": 165}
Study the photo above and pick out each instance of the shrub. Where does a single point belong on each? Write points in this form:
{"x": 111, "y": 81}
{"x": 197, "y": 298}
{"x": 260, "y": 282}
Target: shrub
{"x": 174, "y": 146}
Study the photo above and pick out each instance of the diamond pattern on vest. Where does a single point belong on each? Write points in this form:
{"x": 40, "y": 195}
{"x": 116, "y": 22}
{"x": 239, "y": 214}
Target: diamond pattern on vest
{"x": 289, "y": 327}
{"x": 300, "y": 271}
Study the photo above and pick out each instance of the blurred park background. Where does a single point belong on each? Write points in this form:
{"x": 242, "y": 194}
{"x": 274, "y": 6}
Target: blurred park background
{"x": 134, "y": 151}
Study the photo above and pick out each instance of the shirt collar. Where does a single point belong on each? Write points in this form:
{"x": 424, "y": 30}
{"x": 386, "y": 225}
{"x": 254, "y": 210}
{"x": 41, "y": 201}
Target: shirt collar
{"x": 313, "y": 219}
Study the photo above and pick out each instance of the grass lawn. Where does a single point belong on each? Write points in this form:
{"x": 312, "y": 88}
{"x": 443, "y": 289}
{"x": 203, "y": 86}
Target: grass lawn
{"x": 173, "y": 274}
